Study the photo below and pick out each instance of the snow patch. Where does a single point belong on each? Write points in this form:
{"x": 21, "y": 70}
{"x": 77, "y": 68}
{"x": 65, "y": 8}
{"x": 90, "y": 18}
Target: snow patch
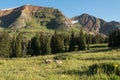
{"x": 76, "y": 21}
{"x": 7, "y": 9}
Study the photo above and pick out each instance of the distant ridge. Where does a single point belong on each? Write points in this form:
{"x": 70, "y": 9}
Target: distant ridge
{"x": 96, "y": 25}
{"x": 28, "y": 15}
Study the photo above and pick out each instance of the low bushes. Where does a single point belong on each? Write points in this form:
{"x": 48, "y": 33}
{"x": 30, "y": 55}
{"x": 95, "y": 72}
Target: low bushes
{"x": 63, "y": 57}
{"x": 108, "y": 68}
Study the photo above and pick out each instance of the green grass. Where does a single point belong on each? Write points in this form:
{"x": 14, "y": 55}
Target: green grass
{"x": 74, "y": 66}
{"x": 30, "y": 32}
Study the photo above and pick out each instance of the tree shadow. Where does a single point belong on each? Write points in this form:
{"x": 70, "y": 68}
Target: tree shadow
{"x": 73, "y": 72}
{"x": 98, "y": 46}
{"x": 100, "y": 50}
{"x": 103, "y": 58}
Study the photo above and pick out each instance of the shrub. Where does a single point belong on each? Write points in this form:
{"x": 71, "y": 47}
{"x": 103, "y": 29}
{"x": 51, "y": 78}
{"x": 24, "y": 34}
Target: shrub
{"x": 63, "y": 57}
{"x": 108, "y": 68}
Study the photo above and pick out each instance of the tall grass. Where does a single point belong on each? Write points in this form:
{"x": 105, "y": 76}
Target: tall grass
{"x": 74, "y": 66}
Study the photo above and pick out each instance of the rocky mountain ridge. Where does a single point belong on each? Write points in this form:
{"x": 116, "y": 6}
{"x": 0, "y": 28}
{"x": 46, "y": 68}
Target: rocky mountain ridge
{"x": 32, "y": 16}
{"x": 96, "y": 25}
{"x": 37, "y": 16}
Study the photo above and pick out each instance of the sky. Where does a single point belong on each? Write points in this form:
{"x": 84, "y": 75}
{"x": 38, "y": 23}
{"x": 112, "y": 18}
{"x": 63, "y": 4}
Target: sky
{"x": 108, "y": 10}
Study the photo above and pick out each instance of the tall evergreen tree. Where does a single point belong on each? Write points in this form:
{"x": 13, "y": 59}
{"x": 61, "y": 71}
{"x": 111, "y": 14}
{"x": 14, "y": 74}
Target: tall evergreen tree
{"x": 114, "y": 38}
{"x": 66, "y": 42}
{"x": 29, "y": 49}
{"x": 18, "y": 46}
{"x": 13, "y": 45}
{"x": 35, "y": 45}
{"x": 88, "y": 41}
{"x": 81, "y": 41}
{"x": 72, "y": 42}
{"x": 45, "y": 44}
{"x": 57, "y": 43}
{"x": 5, "y": 47}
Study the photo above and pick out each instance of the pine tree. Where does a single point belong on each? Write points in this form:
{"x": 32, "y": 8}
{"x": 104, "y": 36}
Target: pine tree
{"x": 66, "y": 42}
{"x": 5, "y": 47}
{"x": 13, "y": 45}
{"x": 45, "y": 44}
{"x": 88, "y": 41}
{"x": 24, "y": 48}
{"x": 35, "y": 45}
{"x": 18, "y": 46}
{"x": 81, "y": 41}
{"x": 57, "y": 43}
{"x": 29, "y": 50}
{"x": 72, "y": 42}
{"x": 114, "y": 38}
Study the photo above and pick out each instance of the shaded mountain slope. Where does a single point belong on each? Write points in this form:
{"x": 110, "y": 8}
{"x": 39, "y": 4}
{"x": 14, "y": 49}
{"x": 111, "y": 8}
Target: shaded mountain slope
{"x": 32, "y": 16}
{"x": 96, "y": 25}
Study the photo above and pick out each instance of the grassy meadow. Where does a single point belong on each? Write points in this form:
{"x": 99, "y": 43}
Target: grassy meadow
{"x": 74, "y": 66}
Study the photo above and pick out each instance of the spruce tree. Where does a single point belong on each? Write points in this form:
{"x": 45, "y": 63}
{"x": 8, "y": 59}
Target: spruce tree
{"x": 29, "y": 49}
{"x": 13, "y": 45}
{"x": 66, "y": 42}
{"x": 18, "y": 46}
{"x": 5, "y": 46}
{"x": 114, "y": 38}
{"x": 57, "y": 43}
{"x": 35, "y": 45}
{"x": 48, "y": 48}
{"x": 88, "y": 41}
{"x": 45, "y": 44}
{"x": 81, "y": 41}
{"x": 72, "y": 42}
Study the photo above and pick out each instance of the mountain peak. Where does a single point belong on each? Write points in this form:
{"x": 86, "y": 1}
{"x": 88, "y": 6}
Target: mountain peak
{"x": 96, "y": 25}
{"x": 33, "y": 16}
{"x": 28, "y": 4}
{"x": 85, "y": 14}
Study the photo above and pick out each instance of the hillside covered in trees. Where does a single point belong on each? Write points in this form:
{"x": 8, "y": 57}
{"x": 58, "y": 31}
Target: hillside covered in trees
{"x": 42, "y": 43}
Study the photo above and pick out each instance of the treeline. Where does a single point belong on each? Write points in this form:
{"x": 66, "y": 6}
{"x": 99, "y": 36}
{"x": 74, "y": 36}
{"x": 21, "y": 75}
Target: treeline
{"x": 114, "y": 38}
{"x": 95, "y": 39}
{"x": 43, "y": 43}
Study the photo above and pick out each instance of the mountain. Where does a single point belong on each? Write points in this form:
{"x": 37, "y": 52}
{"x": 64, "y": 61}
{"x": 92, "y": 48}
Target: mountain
{"x": 28, "y": 16}
{"x": 96, "y": 25}
{"x": 33, "y": 16}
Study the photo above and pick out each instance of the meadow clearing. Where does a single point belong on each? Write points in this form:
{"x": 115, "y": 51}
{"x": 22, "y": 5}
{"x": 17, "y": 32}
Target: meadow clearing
{"x": 74, "y": 66}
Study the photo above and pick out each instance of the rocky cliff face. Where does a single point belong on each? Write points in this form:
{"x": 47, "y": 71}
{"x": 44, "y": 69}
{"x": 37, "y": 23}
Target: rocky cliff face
{"x": 96, "y": 25}
{"x": 109, "y": 26}
{"x": 32, "y": 16}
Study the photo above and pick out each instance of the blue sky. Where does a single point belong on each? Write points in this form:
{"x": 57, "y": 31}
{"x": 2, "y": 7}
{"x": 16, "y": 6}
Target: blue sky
{"x": 105, "y": 9}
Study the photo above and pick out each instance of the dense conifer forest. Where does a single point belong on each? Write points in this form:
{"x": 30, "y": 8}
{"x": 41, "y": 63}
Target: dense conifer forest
{"x": 43, "y": 43}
